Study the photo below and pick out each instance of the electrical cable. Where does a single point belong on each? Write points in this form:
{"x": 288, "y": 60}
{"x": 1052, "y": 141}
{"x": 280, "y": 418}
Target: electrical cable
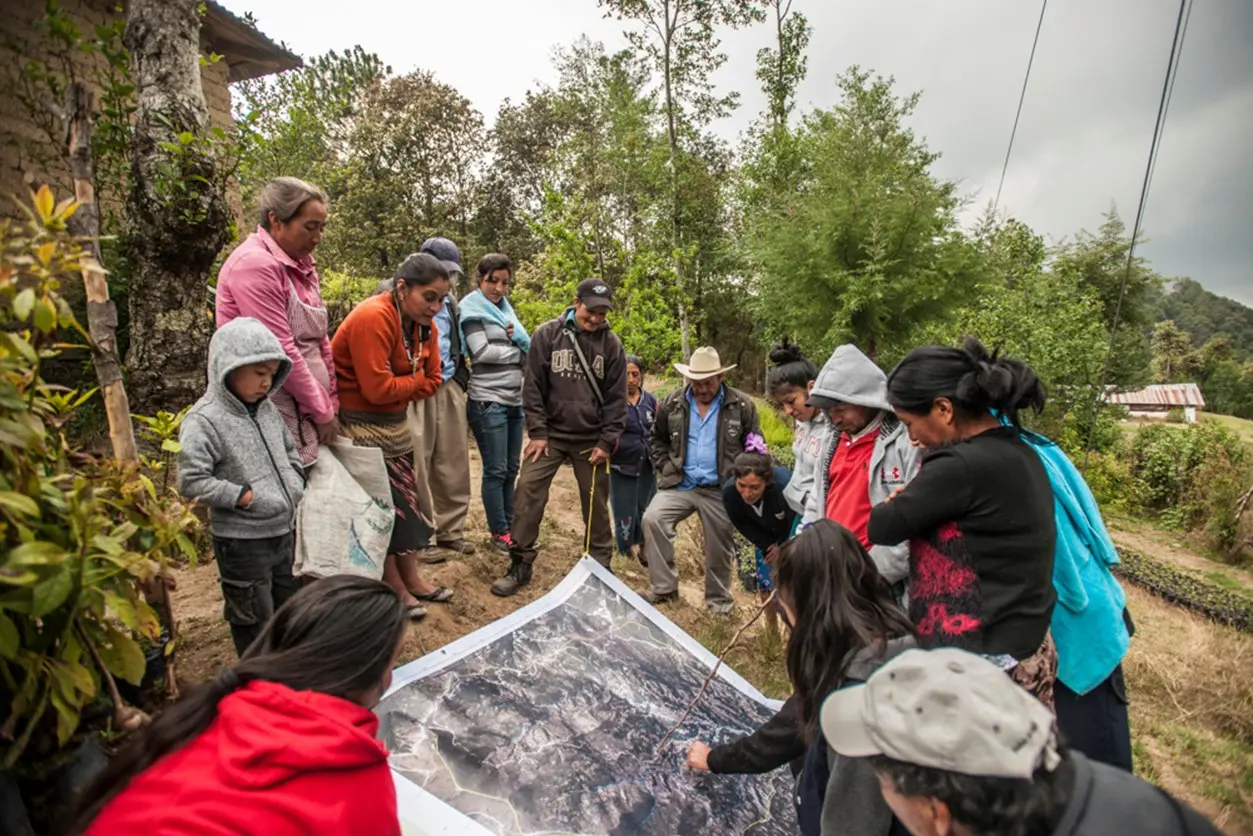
{"x": 1176, "y": 50}
{"x": 1022, "y": 96}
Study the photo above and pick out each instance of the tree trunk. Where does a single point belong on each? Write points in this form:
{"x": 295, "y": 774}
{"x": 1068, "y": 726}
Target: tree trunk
{"x": 685, "y": 333}
{"x": 177, "y": 213}
{"x": 101, "y": 312}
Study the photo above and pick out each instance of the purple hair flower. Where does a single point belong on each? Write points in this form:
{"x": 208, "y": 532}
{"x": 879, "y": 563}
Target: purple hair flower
{"x": 754, "y": 443}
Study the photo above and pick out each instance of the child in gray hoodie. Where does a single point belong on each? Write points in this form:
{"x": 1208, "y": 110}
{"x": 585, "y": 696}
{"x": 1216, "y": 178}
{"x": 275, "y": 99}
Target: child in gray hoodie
{"x": 239, "y": 460}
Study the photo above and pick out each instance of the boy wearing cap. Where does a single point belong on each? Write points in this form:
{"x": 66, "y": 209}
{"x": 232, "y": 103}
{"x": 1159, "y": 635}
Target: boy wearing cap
{"x": 440, "y": 422}
{"x": 699, "y": 431}
{"x": 574, "y": 400}
{"x": 865, "y": 457}
{"x": 959, "y": 748}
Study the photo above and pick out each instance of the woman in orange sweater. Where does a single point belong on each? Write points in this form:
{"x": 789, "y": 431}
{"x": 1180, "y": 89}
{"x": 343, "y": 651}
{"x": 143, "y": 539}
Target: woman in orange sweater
{"x": 386, "y": 356}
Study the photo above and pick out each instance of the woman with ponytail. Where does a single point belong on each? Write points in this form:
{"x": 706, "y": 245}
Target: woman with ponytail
{"x": 281, "y": 743}
{"x": 788, "y": 382}
{"x": 979, "y": 515}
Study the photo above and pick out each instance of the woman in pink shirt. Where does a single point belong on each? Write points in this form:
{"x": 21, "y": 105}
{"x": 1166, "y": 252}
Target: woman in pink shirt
{"x": 271, "y": 277}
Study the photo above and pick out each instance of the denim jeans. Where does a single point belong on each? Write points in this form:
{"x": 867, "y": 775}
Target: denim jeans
{"x": 498, "y": 433}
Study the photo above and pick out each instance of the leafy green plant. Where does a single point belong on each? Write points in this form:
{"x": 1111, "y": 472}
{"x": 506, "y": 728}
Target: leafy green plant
{"x": 80, "y": 534}
{"x": 161, "y": 431}
{"x": 1202, "y": 596}
{"x": 1191, "y": 477}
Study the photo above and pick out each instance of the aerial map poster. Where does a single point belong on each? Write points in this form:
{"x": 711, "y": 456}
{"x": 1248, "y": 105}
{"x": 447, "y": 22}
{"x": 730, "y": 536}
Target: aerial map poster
{"x": 547, "y": 721}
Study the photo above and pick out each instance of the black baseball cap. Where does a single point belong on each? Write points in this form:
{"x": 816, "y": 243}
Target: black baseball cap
{"x": 446, "y": 251}
{"x": 595, "y": 294}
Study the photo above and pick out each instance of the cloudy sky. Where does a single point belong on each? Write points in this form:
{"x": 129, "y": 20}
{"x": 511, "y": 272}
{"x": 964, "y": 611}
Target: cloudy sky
{"x": 1086, "y": 125}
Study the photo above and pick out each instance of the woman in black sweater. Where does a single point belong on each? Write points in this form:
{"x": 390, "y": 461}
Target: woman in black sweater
{"x": 979, "y": 515}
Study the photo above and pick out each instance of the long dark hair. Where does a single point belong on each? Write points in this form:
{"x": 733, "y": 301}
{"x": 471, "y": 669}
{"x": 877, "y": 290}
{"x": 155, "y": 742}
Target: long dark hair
{"x": 841, "y": 604}
{"x": 971, "y": 378}
{"x": 790, "y": 368}
{"x": 336, "y": 636}
{"x": 420, "y": 269}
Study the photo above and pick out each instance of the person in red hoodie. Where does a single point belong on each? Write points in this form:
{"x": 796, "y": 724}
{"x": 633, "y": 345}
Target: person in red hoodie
{"x": 281, "y": 744}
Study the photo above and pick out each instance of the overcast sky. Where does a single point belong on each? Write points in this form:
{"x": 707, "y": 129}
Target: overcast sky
{"x": 1086, "y": 125}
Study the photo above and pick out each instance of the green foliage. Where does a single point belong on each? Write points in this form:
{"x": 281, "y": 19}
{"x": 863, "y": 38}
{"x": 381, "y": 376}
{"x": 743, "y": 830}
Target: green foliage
{"x": 774, "y": 427}
{"x": 79, "y": 533}
{"x": 1191, "y": 476}
{"x": 867, "y": 246}
{"x": 1173, "y": 358}
{"x": 1099, "y": 263}
{"x": 1204, "y": 316}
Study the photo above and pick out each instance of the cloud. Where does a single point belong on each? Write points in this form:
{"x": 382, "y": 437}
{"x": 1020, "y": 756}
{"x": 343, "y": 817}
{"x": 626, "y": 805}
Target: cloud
{"x": 1082, "y": 142}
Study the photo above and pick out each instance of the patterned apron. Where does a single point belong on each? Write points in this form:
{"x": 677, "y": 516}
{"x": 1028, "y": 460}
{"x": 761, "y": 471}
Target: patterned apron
{"x": 308, "y": 327}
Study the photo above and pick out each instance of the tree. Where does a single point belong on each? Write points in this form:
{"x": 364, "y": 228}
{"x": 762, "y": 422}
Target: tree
{"x": 412, "y": 169}
{"x": 298, "y": 123}
{"x": 1205, "y": 315}
{"x": 1173, "y": 358}
{"x": 781, "y": 70}
{"x": 177, "y": 215}
{"x": 867, "y": 245}
{"x": 1033, "y": 314}
{"x": 678, "y": 39}
{"x": 1099, "y": 262}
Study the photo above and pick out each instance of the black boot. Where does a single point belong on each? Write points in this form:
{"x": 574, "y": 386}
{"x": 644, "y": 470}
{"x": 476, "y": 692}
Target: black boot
{"x": 518, "y": 576}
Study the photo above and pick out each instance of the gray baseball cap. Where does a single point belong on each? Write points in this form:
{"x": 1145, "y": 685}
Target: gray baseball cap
{"x": 945, "y": 709}
{"x": 446, "y": 251}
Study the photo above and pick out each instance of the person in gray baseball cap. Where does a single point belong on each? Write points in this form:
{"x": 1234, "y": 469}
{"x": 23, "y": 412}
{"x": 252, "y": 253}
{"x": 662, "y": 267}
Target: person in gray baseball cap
{"x": 960, "y": 749}
{"x": 440, "y": 425}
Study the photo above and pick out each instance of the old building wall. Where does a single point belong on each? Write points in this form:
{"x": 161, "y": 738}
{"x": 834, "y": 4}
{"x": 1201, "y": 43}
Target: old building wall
{"x": 30, "y": 140}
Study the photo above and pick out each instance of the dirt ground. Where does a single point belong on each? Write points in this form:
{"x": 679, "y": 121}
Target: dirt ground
{"x": 1191, "y": 695}
{"x": 206, "y": 644}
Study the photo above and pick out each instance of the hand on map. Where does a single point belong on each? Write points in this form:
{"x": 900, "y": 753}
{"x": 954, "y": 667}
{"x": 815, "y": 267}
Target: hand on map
{"x": 698, "y": 756}
{"x": 535, "y": 449}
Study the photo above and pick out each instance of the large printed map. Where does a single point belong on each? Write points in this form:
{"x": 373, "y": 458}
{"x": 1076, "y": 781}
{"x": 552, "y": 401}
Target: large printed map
{"x": 550, "y": 724}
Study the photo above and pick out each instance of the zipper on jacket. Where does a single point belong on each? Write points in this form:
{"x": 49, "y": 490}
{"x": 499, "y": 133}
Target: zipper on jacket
{"x": 278, "y": 474}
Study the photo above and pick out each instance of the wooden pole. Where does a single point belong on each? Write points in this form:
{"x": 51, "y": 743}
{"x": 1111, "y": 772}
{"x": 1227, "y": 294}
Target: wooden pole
{"x": 101, "y": 312}
{"x": 102, "y": 328}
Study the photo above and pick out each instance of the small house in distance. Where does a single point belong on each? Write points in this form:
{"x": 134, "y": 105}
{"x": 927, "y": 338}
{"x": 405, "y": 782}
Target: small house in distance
{"x": 1157, "y": 400}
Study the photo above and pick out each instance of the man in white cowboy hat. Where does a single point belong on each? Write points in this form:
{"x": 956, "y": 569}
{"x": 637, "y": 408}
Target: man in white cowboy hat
{"x": 699, "y": 431}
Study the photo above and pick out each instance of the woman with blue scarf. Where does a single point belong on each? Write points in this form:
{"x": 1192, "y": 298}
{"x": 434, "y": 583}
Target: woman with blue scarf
{"x": 496, "y": 344}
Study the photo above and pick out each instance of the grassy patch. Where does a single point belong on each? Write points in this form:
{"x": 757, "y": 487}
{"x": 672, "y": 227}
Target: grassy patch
{"x": 1191, "y": 702}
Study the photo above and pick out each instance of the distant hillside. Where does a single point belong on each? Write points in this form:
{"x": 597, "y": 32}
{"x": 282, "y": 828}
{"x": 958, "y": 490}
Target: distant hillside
{"x": 1203, "y": 314}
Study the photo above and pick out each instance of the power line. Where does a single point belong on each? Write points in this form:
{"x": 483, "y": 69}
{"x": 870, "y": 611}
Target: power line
{"x": 1022, "y": 96}
{"x": 1176, "y": 51}
{"x": 1170, "y": 93}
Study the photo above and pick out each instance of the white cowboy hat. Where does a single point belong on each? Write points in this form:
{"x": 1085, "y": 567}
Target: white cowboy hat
{"x": 705, "y": 363}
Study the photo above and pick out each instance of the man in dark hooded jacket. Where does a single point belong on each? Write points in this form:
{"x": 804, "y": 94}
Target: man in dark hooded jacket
{"x": 574, "y": 400}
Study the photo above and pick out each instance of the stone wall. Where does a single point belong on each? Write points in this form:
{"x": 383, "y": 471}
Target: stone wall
{"x": 30, "y": 143}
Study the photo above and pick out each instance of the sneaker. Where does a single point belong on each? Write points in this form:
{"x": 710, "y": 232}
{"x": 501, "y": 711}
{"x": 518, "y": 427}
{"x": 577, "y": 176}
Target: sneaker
{"x": 460, "y": 546}
{"x": 655, "y": 598}
{"x": 518, "y": 576}
{"x": 502, "y": 542}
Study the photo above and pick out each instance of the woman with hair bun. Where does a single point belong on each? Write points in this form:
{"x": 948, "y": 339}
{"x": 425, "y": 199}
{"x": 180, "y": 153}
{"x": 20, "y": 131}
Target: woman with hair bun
{"x": 283, "y": 743}
{"x": 788, "y": 382}
{"x": 979, "y": 515}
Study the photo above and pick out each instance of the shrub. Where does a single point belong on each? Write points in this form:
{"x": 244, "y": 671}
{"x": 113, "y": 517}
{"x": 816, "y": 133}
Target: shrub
{"x": 1175, "y": 415}
{"x": 1110, "y": 480}
{"x": 80, "y": 533}
{"x": 1191, "y": 477}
